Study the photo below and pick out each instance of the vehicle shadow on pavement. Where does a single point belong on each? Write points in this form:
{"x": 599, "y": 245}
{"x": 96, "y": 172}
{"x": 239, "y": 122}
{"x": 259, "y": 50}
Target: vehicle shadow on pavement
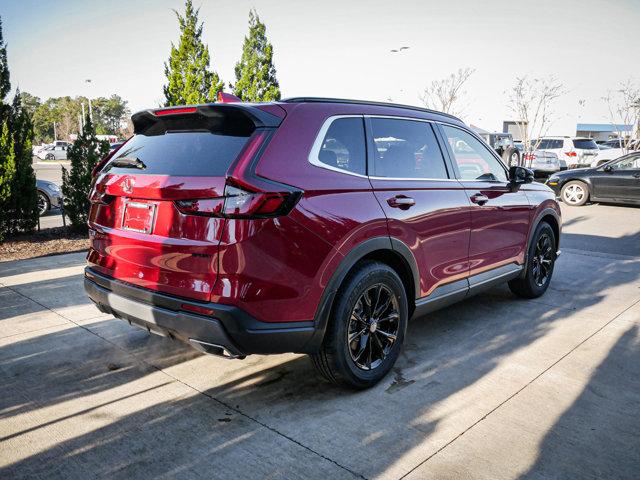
{"x": 629, "y": 244}
{"x": 457, "y": 365}
{"x": 599, "y": 435}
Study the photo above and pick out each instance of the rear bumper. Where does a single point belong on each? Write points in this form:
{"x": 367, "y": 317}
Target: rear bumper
{"x": 228, "y": 331}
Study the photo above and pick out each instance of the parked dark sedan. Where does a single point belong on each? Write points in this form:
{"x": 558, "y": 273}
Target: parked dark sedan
{"x": 49, "y": 195}
{"x": 617, "y": 181}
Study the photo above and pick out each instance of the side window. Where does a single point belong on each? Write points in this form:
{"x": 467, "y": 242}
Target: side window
{"x": 343, "y": 146}
{"x": 474, "y": 161}
{"x": 631, "y": 163}
{"x": 406, "y": 149}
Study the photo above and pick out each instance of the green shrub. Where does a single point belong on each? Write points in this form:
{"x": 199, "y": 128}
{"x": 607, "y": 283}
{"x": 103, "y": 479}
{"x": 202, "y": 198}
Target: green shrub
{"x": 84, "y": 154}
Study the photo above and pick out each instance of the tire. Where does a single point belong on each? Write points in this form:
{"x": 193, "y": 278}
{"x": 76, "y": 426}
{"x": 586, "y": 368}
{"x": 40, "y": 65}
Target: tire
{"x": 575, "y": 193}
{"x": 511, "y": 156}
{"x": 370, "y": 355}
{"x": 43, "y": 204}
{"x": 541, "y": 259}
{"x": 50, "y": 156}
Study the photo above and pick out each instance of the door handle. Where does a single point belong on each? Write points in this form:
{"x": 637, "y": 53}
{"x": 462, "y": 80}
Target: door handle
{"x": 479, "y": 198}
{"x": 401, "y": 201}
{"x": 636, "y": 175}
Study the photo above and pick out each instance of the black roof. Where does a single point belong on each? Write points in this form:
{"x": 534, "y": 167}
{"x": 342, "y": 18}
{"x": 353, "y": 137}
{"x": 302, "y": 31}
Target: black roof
{"x": 364, "y": 102}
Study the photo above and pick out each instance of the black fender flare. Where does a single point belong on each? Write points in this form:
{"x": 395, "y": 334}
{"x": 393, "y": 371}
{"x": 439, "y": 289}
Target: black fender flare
{"x": 323, "y": 311}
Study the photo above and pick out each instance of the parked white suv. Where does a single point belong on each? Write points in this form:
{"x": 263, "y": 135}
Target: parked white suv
{"x": 575, "y": 151}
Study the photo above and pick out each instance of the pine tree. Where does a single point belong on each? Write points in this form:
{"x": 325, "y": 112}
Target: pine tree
{"x": 190, "y": 80}
{"x": 5, "y": 84}
{"x": 7, "y": 154}
{"x": 84, "y": 154}
{"x": 7, "y": 171}
{"x": 22, "y": 205}
{"x": 255, "y": 73}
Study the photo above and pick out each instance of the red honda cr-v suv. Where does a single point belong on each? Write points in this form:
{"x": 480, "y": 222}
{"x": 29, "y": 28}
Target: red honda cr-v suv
{"x": 309, "y": 225}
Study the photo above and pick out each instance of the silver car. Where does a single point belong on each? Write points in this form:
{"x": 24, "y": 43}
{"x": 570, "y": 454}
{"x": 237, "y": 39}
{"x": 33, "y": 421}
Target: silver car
{"x": 542, "y": 161}
{"x": 49, "y": 196}
{"x": 53, "y": 152}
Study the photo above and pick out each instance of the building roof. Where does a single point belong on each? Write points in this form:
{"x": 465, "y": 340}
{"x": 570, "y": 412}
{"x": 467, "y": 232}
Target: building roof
{"x": 603, "y": 127}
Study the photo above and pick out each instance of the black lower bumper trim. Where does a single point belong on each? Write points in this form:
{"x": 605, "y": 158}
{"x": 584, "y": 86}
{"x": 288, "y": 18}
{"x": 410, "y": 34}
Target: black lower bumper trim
{"x": 229, "y": 327}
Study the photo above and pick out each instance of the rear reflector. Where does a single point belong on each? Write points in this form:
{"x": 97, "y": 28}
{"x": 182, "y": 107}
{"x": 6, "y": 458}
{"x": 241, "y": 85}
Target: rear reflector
{"x": 197, "y": 309}
{"x": 175, "y": 111}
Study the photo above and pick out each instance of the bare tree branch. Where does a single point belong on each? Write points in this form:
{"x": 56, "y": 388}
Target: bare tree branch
{"x": 624, "y": 109}
{"x": 531, "y": 101}
{"x": 445, "y": 95}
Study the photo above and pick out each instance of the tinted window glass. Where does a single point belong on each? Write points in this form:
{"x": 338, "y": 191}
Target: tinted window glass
{"x": 548, "y": 144}
{"x": 406, "y": 149}
{"x": 181, "y": 153}
{"x": 631, "y": 163}
{"x": 474, "y": 161}
{"x": 343, "y": 146}
{"x": 585, "y": 144}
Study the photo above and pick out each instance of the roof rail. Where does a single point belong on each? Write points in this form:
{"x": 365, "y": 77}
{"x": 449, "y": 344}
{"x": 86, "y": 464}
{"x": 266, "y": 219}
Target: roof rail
{"x": 363, "y": 102}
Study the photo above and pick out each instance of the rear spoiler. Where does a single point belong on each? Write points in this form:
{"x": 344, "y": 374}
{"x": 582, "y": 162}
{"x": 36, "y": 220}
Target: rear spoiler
{"x": 214, "y": 116}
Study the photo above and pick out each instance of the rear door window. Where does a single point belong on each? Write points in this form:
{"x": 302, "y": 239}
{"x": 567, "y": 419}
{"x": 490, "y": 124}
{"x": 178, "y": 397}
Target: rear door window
{"x": 406, "y": 149}
{"x": 343, "y": 146}
{"x": 181, "y": 153}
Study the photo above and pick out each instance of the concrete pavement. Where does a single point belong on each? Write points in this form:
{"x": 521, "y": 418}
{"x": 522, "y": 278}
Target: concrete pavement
{"x": 494, "y": 387}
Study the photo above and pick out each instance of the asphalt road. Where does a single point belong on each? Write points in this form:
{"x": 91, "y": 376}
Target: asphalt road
{"x": 494, "y": 387}
{"x": 603, "y": 228}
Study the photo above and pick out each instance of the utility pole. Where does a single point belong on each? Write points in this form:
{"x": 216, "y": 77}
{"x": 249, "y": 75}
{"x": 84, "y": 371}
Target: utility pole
{"x": 55, "y": 132}
{"x": 88, "y": 82}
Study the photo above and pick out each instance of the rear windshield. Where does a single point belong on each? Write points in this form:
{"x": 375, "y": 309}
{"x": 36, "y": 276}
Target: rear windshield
{"x": 585, "y": 144}
{"x": 548, "y": 144}
{"x": 199, "y": 153}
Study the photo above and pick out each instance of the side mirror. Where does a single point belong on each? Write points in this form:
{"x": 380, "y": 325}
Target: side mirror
{"x": 607, "y": 168}
{"x": 520, "y": 175}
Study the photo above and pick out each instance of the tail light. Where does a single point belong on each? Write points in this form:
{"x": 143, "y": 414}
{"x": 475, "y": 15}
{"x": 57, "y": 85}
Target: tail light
{"x": 243, "y": 197}
{"x": 99, "y": 196}
{"x": 571, "y": 154}
{"x": 529, "y": 157}
{"x": 239, "y": 202}
{"x": 174, "y": 111}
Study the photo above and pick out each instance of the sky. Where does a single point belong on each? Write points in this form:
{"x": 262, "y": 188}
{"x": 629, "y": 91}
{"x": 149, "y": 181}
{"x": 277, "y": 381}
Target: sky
{"x": 338, "y": 48}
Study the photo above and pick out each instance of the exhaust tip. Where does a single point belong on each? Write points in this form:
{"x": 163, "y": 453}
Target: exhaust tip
{"x": 213, "y": 349}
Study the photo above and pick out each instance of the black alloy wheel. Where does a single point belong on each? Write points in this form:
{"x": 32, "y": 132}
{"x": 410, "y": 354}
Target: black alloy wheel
{"x": 373, "y": 327}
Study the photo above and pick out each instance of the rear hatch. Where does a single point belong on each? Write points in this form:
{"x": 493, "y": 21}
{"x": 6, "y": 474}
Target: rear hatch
{"x": 157, "y": 205}
{"x": 586, "y": 148}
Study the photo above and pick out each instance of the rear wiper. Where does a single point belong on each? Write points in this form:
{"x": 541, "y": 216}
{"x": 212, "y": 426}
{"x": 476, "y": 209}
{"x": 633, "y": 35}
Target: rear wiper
{"x": 128, "y": 162}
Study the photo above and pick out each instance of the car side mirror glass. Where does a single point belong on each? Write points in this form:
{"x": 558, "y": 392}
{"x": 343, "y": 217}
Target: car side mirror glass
{"x": 520, "y": 175}
{"x": 608, "y": 168}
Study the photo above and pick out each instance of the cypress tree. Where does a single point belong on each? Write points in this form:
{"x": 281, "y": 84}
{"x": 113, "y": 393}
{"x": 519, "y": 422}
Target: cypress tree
{"x": 84, "y": 154}
{"x": 22, "y": 205}
{"x": 189, "y": 79}
{"x": 7, "y": 171}
{"x": 255, "y": 73}
{"x": 7, "y": 154}
{"x": 5, "y": 84}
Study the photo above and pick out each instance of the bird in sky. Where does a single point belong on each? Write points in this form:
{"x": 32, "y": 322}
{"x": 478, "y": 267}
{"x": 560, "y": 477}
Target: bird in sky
{"x": 399, "y": 49}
